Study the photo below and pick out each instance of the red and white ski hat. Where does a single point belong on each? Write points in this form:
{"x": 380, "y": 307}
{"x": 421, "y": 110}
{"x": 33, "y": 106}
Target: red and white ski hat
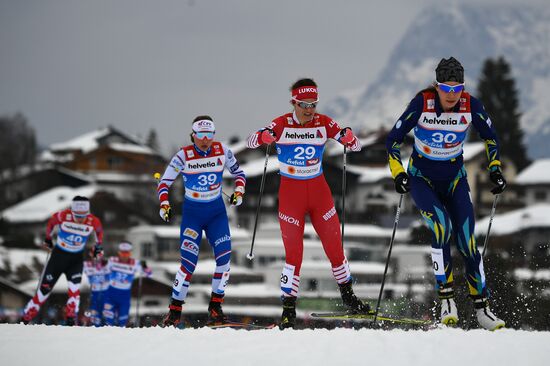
{"x": 204, "y": 125}
{"x": 305, "y": 92}
{"x": 125, "y": 247}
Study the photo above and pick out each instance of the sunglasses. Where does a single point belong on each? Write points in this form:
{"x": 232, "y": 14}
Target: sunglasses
{"x": 446, "y": 88}
{"x": 204, "y": 135}
{"x": 306, "y": 105}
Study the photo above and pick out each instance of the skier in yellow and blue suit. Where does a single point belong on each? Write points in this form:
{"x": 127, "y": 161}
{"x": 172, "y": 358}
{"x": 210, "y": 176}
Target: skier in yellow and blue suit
{"x": 436, "y": 178}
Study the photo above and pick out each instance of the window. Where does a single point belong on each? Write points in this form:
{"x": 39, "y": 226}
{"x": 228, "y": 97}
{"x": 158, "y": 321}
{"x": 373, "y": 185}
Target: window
{"x": 114, "y": 162}
{"x": 147, "y": 250}
{"x": 540, "y": 195}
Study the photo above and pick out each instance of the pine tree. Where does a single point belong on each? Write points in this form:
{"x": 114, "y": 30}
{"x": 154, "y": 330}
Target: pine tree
{"x": 152, "y": 140}
{"x": 498, "y": 93}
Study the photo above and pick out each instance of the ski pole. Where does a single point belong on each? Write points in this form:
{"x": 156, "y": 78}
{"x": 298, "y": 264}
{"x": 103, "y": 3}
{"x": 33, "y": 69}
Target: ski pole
{"x": 140, "y": 281}
{"x": 344, "y": 193}
{"x": 250, "y": 255}
{"x": 493, "y": 209}
{"x": 396, "y": 221}
{"x": 43, "y": 270}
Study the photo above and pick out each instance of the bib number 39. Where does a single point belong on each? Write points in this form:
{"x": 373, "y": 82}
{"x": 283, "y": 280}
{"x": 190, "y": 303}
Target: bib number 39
{"x": 209, "y": 179}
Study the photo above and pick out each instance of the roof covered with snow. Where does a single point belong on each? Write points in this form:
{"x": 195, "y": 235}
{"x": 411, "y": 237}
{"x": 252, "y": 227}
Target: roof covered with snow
{"x": 255, "y": 168}
{"x": 359, "y": 230}
{"x": 536, "y": 173}
{"x": 517, "y": 220}
{"x": 472, "y": 149}
{"x": 90, "y": 141}
{"x": 41, "y": 206}
{"x": 173, "y": 231}
{"x": 85, "y": 142}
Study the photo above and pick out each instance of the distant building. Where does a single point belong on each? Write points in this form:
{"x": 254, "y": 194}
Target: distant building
{"x": 535, "y": 182}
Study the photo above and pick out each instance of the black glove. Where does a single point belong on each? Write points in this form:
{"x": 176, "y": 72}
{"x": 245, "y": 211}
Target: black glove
{"x": 98, "y": 251}
{"x": 144, "y": 264}
{"x": 498, "y": 179}
{"x": 48, "y": 243}
{"x": 402, "y": 184}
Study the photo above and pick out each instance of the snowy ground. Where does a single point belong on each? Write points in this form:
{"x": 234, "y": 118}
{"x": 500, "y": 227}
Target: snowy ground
{"x": 54, "y": 345}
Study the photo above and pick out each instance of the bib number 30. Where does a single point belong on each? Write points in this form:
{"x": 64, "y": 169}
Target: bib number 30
{"x": 439, "y": 137}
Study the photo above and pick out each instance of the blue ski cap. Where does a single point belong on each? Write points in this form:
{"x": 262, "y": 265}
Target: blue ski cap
{"x": 449, "y": 70}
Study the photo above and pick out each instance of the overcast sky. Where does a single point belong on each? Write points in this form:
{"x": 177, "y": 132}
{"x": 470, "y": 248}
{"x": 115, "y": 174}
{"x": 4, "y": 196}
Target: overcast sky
{"x": 72, "y": 66}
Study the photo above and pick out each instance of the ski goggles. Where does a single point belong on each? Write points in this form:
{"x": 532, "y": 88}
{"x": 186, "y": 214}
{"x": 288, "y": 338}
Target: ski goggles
{"x": 446, "y": 88}
{"x": 204, "y": 135}
{"x": 306, "y": 105}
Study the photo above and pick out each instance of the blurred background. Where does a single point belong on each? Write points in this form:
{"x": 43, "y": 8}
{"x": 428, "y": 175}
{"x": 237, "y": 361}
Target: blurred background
{"x": 96, "y": 96}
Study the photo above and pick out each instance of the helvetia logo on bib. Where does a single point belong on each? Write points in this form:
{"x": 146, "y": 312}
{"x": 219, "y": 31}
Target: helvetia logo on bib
{"x": 463, "y": 120}
{"x": 319, "y": 134}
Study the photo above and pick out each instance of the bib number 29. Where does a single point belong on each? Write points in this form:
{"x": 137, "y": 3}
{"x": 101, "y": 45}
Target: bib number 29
{"x": 304, "y": 153}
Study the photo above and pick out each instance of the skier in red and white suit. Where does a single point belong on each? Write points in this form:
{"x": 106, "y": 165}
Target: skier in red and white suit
{"x": 300, "y": 138}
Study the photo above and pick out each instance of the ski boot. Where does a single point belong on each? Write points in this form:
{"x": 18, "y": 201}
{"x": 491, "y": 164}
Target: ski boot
{"x": 449, "y": 312}
{"x": 215, "y": 312}
{"x": 351, "y": 301}
{"x": 485, "y": 317}
{"x": 70, "y": 314}
{"x": 29, "y": 315}
{"x": 288, "y": 318}
{"x": 174, "y": 315}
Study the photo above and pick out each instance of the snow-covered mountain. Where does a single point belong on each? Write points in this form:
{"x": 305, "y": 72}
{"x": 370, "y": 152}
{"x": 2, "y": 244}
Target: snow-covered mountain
{"x": 471, "y": 33}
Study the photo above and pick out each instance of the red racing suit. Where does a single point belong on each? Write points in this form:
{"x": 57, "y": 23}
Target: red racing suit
{"x": 303, "y": 189}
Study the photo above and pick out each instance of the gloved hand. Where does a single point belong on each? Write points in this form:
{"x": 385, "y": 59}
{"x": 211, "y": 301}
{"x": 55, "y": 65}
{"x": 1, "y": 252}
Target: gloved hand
{"x": 402, "y": 184}
{"x": 98, "y": 251}
{"x": 498, "y": 179}
{"x": 346, "y": 136}
{"x": 47, "y": 243}
{"x": 267, "y": 136}
{"x": 236, "y": 198}
{"x": 165, "y": 211}
{"x": 144, "y": 264}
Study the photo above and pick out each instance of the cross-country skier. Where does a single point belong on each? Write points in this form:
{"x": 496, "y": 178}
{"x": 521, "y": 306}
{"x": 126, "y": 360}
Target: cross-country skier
{"x": 74, "y": 227}
{"x": 436, "y": 177}
{"x": 300, "y": 137}
{"x": 98, "y": 276}
{"x": 122, "y": 270}
{"x": 202, "y": 164}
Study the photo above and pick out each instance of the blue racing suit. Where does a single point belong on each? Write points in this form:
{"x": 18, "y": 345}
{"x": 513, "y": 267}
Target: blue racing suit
{"x": 438, "y": 178}
{"x": 203, "y": 209}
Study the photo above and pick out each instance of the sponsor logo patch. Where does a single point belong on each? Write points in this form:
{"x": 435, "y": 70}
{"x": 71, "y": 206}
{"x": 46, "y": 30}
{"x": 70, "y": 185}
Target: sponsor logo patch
{"x": 289, "y": 219}
{"x": 190, "y": 233}
{"x": 223, "y": 239}
{"x": 190, "y": 246}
